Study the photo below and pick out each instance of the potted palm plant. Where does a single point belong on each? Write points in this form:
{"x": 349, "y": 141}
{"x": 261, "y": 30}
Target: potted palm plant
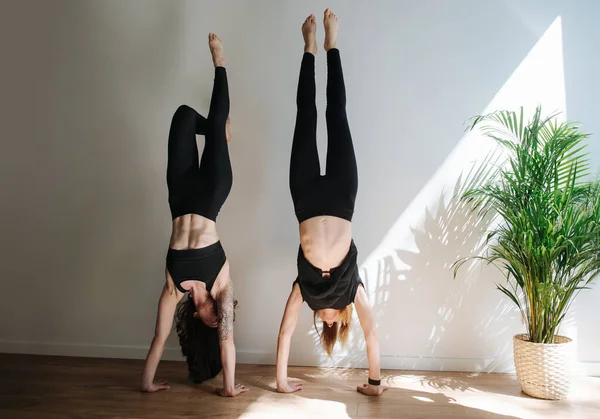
{"x": 545, "y": 236}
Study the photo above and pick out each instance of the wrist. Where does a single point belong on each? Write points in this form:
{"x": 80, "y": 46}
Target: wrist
{"x": 374, "y": 382}
{"x": 228, "y": 388}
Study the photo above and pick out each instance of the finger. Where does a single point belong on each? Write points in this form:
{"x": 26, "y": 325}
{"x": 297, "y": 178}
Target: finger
{"x": 164, "y": 387}
{"x": 162, "y": 383}
{"x": 360, "y": 389}
{"x": 244, "y": 389}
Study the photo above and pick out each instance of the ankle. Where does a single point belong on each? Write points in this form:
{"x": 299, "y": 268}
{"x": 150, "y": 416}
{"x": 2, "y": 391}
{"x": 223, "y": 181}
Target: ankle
{"x": 311, "y": 49}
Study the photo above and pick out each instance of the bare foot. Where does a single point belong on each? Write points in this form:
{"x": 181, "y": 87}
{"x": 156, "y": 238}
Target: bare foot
{"x": 228, "y": 129}
{"x": 331, "y": 23}
{"x": 216, "y": 49}
{"x": 309, "y": 32}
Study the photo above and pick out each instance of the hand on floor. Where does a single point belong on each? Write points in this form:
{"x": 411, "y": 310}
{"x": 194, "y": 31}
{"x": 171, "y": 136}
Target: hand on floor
{"x": 369, "y": 390}
{"x": 289, "y": 387}
{"x": 158, "y": 386}
{"x": 237, "y": 390}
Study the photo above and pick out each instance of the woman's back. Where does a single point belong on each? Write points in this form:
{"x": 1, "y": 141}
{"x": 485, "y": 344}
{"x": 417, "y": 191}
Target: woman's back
{"x": 325, "y": 241}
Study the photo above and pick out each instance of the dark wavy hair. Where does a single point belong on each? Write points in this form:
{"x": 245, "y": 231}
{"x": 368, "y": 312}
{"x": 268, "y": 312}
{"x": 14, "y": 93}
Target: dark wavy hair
{"x": 199, "y": 343}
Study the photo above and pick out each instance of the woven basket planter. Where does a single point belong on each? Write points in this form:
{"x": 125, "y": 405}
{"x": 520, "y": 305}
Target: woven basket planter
{"x": 544, "y": 370}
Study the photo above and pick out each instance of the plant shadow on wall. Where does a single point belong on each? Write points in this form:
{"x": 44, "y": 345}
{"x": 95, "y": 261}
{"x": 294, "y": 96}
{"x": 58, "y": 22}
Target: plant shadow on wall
{"x": 422, "y": 276}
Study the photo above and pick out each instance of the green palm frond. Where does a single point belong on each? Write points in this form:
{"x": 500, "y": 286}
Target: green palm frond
{"x": 547, "y": 242}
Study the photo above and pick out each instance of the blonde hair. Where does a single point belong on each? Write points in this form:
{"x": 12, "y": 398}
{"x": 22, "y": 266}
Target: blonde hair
{"x": 329, "y": 335}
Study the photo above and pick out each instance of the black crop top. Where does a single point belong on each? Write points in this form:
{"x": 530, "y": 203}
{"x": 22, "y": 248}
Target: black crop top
{"x": 196, "y": 264}
{"x": 336, "y": 291}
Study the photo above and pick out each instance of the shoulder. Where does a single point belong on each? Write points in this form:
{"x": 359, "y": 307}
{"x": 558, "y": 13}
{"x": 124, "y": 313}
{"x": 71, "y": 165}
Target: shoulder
{"x": 361, "y": 295}
{"x": 170, "y": 286}
{"x": 223, "y": 283}
{"x": 296, "y": 294}
{"x": 296, "y": 288}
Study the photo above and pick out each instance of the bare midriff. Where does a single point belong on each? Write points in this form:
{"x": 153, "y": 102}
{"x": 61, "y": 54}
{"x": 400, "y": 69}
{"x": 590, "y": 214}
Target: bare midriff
{"x": 192, "y": 231}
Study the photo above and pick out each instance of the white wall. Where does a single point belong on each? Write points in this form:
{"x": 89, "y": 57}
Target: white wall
{"x": 88, "y": 90}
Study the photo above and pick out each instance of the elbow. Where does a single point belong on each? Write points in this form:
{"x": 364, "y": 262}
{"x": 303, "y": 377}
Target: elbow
{"x": 226, "y": 347}
{"x": 371, "y": 337}
{"x": 227, "y": 343}
{"x": 285, "y": 334}
{"x": 161, "y": 338}
{"x": 283, "y": 339}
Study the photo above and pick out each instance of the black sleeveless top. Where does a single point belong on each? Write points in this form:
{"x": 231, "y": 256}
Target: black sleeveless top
{"x": 336, "y": 291}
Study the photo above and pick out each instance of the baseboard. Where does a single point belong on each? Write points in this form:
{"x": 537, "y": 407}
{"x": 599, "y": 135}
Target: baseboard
{"x": 589, "y": 368}
{"x": 92, "y": 351}
{"x": 387, "y": 362}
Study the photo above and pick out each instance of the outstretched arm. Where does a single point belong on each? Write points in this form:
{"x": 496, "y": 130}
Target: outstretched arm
{"x": 286, "y": 330}
{"x": 225, "y": 315}
{"x": 365, "y": 316}
{"x": 164, "y": 322}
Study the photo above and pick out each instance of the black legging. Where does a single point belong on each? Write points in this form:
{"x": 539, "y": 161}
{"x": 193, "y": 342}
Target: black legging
{"x": 200, "y": 188}
{"x": 333, "y": 194}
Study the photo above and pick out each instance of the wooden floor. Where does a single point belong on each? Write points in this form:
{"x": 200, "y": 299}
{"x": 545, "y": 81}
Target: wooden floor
{"x": 59, "y": 387}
